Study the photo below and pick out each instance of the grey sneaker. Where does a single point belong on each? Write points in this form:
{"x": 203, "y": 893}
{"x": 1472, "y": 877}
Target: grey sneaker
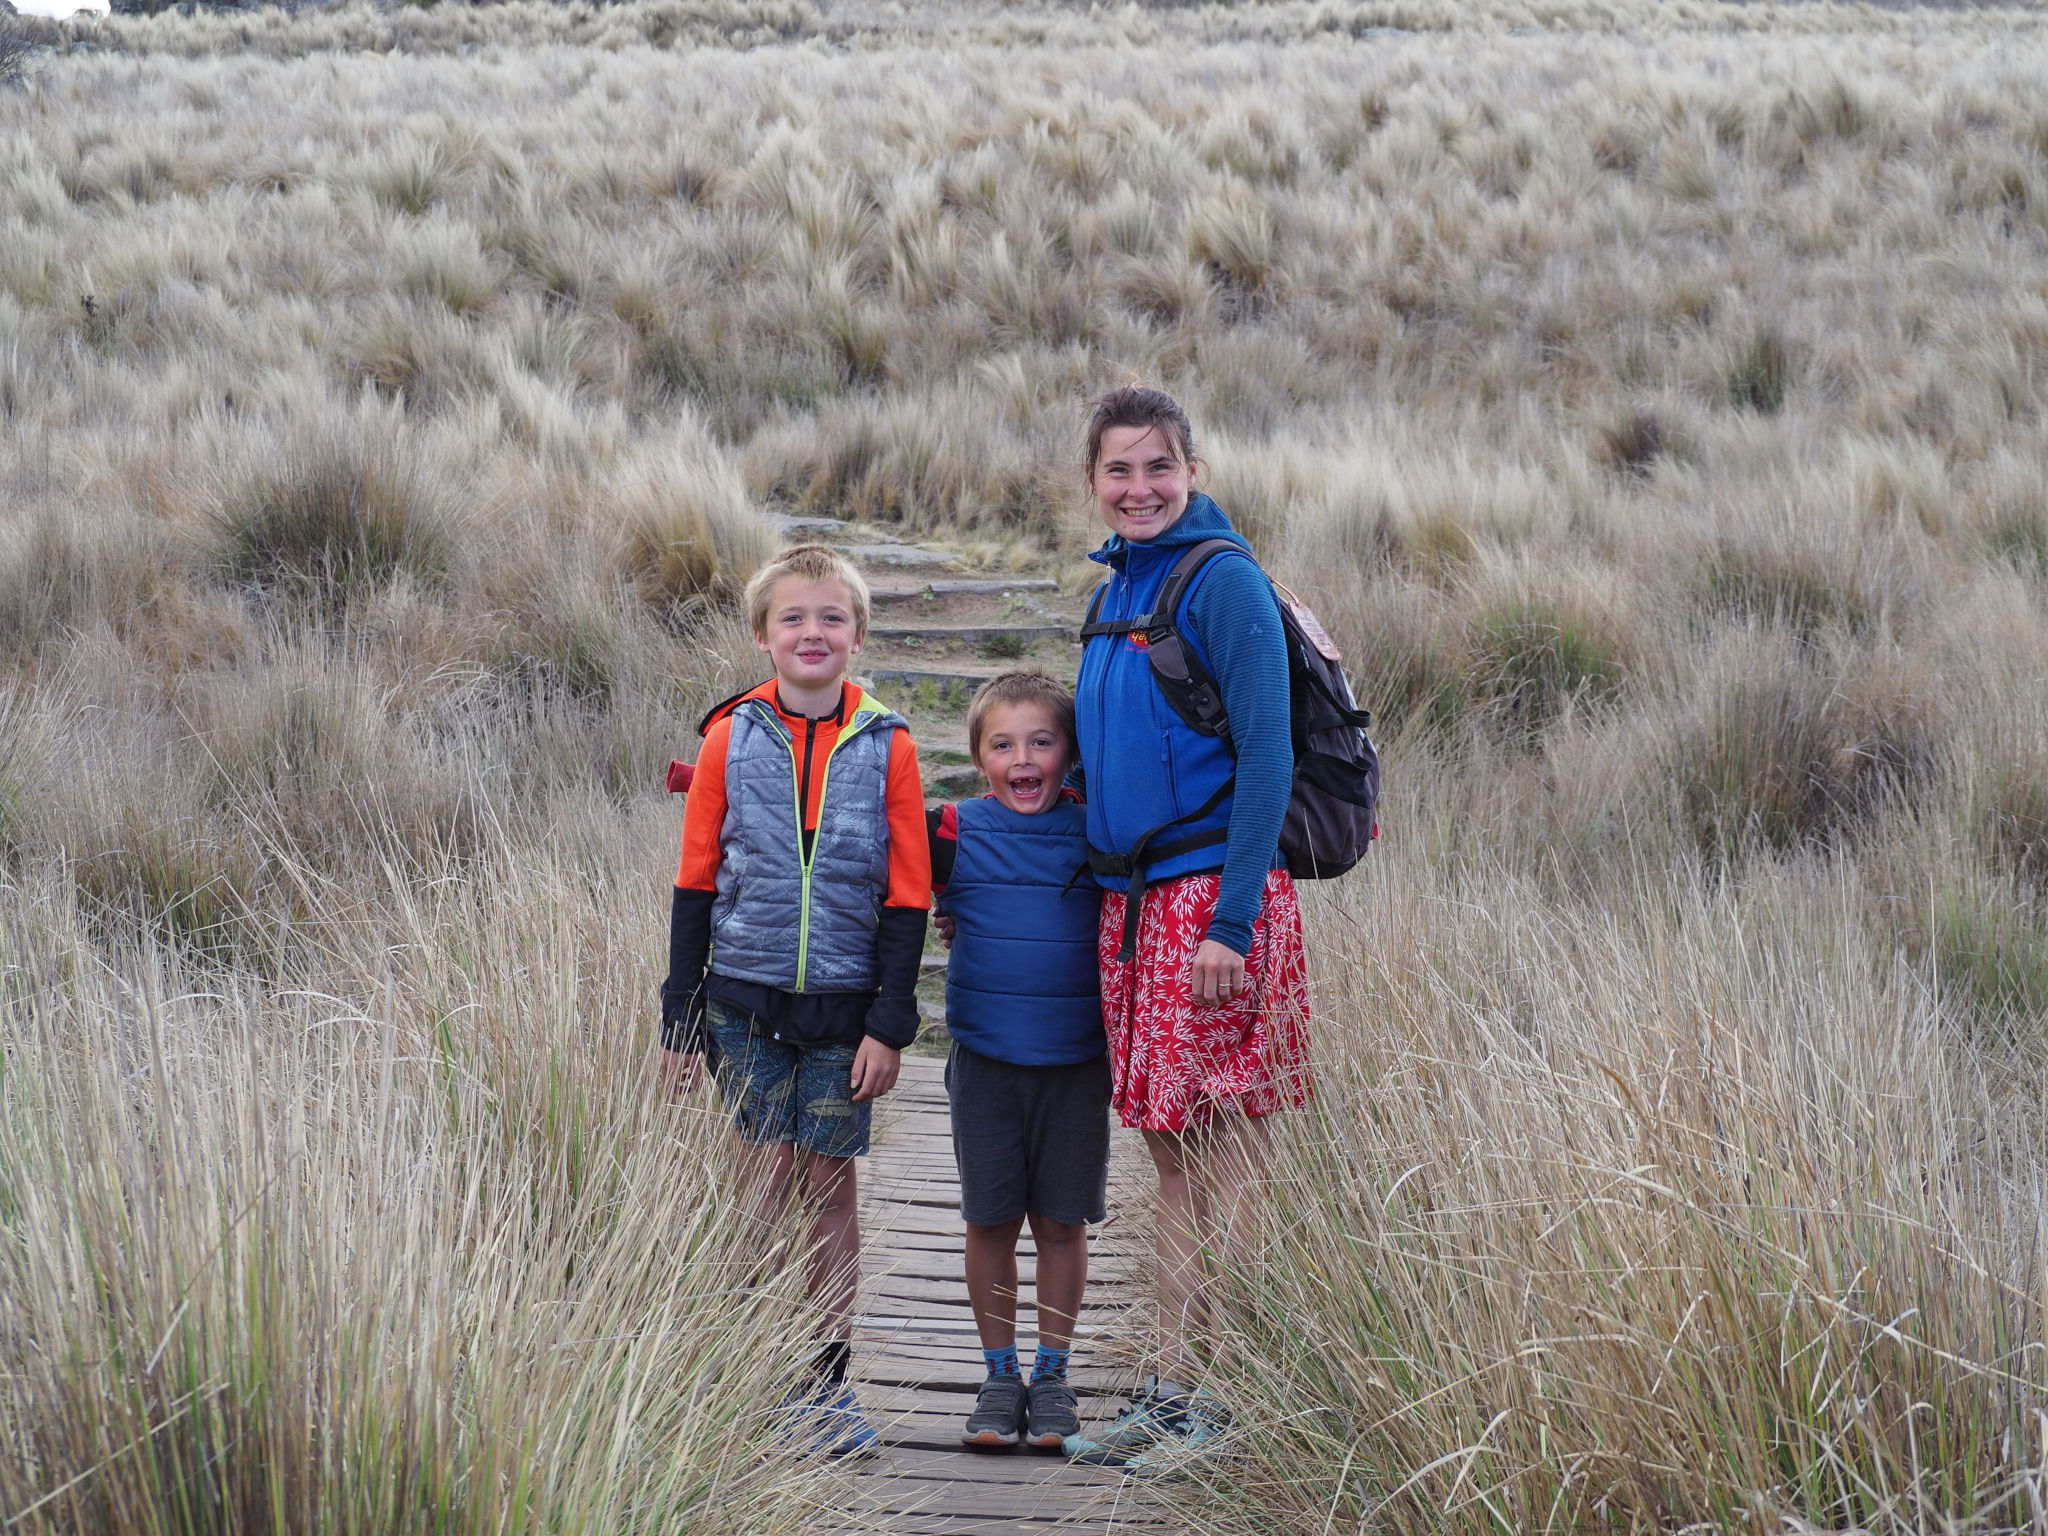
{"x": 1160, "y": 1409}
{"x": 998, "y": 1417}
{"x": 1054, "y": 1415}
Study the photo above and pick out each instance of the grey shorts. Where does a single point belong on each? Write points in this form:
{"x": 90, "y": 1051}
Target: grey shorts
{"x": 1029, "y": 1139}
{"x": 782, "y": 1092}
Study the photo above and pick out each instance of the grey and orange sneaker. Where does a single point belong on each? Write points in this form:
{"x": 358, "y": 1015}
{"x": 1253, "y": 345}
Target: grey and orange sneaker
{"x": 998, "y": 1417}
{"x": 1053, "y": 1417}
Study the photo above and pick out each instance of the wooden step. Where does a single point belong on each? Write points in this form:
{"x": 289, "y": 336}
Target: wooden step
{"x": 975, "y": 634}
{"x": 962, "y": 587}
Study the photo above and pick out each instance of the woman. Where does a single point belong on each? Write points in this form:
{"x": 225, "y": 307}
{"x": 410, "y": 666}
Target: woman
{"x": 1204, "y": 990}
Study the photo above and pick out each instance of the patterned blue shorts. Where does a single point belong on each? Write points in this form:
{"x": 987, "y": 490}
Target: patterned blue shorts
{"x": 782, "y": 1092}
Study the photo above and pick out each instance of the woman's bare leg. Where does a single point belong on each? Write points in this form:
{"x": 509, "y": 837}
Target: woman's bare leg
{"x": 1234, "y": 1154}
{"x": 1177, "y": 1244}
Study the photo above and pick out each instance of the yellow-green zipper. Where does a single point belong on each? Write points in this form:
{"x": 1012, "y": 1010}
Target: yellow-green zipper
{"x": 853, "y": 728}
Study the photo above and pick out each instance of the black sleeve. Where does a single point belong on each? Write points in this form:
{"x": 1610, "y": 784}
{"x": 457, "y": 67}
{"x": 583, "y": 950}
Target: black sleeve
{"x": 682, "y": 994}
{"x": 943, "y": 847}
{"x": 899, "y": 947}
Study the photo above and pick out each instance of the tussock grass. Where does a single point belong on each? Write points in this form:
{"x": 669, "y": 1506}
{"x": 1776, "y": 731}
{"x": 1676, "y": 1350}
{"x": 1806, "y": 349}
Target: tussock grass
{"x": 331, "y": 518}
{"x": 1634, "y": 1222}
{"x": 275, "y": 1262}
{"x": 1650, "y": 404}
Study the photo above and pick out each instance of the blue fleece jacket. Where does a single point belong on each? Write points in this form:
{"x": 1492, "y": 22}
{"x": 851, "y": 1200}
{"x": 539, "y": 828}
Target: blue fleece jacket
{"x": 1234, "y": 621}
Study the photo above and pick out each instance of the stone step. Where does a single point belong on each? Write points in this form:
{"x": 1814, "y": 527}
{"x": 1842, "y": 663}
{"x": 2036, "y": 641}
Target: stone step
{"x": 948, "y": 685}
{"x": 955, "y": 782}
{"x": 897, "y": 554}
{"x": 797, "y": 530}
{"x": 975, "y": 634}
{"x": 968, "y": 587}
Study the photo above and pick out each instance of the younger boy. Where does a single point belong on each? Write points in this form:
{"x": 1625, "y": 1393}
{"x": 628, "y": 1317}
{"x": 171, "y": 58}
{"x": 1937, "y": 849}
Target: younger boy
{"x": 1028, "y": 1075}
{"x": 804, "y": 882}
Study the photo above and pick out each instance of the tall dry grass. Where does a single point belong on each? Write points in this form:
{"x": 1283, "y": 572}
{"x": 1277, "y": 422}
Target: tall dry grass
{"x": 386, "y": 1232}
{"x": 1651, "y": 398}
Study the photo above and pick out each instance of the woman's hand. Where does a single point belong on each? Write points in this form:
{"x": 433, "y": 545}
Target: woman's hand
{"x": 1218, "y": 976}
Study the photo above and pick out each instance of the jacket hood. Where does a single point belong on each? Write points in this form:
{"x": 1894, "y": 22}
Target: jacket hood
{"x": 1202, "y": 520}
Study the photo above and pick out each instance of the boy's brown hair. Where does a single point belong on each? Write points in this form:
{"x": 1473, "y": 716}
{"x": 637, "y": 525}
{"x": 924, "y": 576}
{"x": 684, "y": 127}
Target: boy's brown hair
{"x": 1024, "y": 686}
{"x": 811, "y": 563}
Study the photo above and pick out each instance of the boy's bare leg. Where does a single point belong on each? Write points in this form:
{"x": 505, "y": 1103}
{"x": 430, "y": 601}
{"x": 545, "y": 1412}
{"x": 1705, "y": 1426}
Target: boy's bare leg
{"x": 992, "y": 1281}
{"x": 832, "y": 1189}
{"x": 768, "y": 1170}
{"x": 1062, "y": 1277}
{"x": 1177, "y": 1239}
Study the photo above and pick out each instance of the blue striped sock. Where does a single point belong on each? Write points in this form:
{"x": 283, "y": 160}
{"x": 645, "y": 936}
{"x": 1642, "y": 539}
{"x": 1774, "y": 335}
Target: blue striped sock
{"x": 1050, "y": 1364}
{"x": 1003, "y": 1362}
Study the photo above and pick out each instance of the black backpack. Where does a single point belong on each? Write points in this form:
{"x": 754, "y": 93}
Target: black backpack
{"x": 1331, "y": 815}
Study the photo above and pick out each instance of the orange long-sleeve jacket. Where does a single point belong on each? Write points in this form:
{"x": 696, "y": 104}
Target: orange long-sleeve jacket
{"x": 890, "y": 1013}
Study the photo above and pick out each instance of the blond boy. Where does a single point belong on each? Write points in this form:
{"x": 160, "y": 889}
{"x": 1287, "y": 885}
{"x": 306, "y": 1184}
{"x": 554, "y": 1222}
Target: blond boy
{"x": 797, "y": 924}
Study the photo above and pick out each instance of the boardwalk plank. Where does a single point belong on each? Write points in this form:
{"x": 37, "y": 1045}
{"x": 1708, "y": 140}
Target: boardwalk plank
{"x": 918, "y": 1359}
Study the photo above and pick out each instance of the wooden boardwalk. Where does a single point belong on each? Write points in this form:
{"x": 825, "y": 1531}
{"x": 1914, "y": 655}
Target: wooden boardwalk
{"x": 918, "y": 1361}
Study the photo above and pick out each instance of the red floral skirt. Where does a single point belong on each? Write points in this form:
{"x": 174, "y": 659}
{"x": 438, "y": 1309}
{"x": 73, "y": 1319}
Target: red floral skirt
{"x": 1174, "y": 1065}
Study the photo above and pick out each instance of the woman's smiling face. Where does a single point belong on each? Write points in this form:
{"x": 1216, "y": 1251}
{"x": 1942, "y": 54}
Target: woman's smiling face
{"x": 1140, "y": 481}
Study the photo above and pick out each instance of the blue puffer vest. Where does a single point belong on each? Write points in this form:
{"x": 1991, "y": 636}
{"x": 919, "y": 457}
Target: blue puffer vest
{"x": 804, "y": 925}
{"x": 1023, "y": 985}
{"x": 1145, "y": 764}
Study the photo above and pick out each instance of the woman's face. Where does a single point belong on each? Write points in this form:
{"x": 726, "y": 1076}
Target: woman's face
{"x": 1140, "y": 481}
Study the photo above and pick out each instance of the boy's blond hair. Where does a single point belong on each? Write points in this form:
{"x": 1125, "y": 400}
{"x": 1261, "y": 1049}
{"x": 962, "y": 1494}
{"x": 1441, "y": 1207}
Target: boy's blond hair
{"x": 1023, "y": 686}
{"x": 810, "y": 563}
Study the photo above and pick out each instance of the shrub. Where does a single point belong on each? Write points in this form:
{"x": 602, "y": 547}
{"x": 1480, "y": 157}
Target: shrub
{"x": 1530, "y": 657}
{"x": 687, "y": 531}
{"x": 334, "y": 516}
{"x": 2013, "y": 825}
{"x": 1991, "y": 952}
{"x": 1761, "y": 374}
{"x": 1784, "y": 753}
{"x": 16, "y": 43}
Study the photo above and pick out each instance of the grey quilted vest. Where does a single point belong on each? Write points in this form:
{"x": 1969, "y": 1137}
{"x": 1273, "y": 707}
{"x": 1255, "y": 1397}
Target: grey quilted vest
{"x": 780, "y": 920}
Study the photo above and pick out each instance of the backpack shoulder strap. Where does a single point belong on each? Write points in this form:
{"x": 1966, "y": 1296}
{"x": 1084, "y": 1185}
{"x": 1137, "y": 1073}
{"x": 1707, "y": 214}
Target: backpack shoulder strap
{"x": 1166, "y": 602}
{"x": 1091, "y": 625}
{"x": 1166, "y": 606}
{"x": 720, "y": 710}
